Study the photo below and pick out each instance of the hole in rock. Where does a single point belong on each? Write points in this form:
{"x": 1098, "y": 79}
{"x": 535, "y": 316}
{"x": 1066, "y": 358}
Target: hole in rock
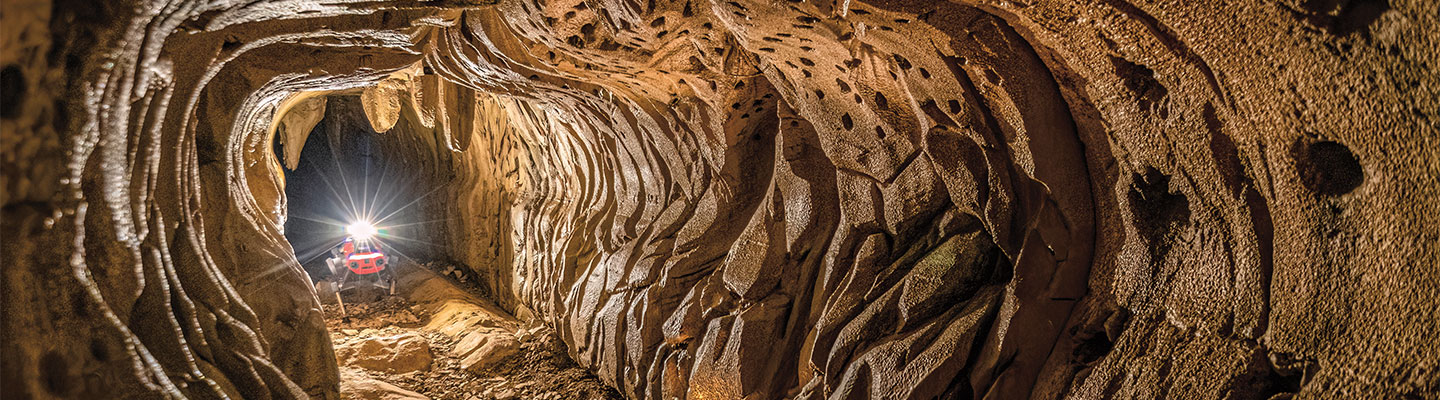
{"x": 59, "y": 374}
{"x": 1326, "y": 167}
{"x": 12, "y": 88}
{"x": 1091, "y": 349}
{"x": 1160, "y": 209}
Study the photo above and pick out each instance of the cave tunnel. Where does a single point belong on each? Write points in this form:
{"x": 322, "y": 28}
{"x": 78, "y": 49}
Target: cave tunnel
{"x": 337, "y": 176}
{"x": 749, "y": 199}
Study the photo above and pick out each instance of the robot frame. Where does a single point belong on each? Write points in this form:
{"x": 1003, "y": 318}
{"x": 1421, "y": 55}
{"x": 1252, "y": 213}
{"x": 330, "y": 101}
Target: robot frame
{"x": 359, "y": 260}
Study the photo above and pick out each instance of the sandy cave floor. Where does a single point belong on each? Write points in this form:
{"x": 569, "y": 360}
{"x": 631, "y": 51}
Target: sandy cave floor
{"x": 540, "y": 370}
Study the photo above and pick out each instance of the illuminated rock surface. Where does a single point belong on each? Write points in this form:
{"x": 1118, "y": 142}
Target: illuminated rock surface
{"x": 757, "y": 199}
{"x": 355, "y": 385}
{"x": 395, "y": 354}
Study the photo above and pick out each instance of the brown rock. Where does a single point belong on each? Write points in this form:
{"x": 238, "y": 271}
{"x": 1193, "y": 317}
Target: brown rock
{"x": 505, "y": 394}
{"x": 358, "y": 386}
{"x": 403, "y": 353}
{"x": 481, "y": 349}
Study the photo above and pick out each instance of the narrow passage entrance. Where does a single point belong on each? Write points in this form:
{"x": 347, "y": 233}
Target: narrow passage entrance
{"x": 432, "y": 334}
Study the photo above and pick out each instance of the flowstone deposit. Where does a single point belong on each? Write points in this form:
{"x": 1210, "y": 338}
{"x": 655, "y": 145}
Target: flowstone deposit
{"x": 746, "y": 199}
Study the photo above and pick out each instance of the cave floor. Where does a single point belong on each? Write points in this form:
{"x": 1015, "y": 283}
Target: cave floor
{"x": 422, "y": 343}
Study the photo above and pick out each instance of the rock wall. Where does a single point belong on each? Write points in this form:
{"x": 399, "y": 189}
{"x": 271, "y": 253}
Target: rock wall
{"x": 752, "y": 199}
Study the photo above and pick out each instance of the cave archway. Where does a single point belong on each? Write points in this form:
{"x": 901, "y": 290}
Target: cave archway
{"x": 343, "y": 175}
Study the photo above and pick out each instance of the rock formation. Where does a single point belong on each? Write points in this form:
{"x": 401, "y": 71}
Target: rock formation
{"x": 747, "y": 199}
{"x": 394, "y": 354}
{"x": 360, "y": 387}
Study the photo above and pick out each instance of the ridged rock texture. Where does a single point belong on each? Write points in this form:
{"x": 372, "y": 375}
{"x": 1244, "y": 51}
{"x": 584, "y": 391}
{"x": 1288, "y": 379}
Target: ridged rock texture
{"x": 758, "y": 199}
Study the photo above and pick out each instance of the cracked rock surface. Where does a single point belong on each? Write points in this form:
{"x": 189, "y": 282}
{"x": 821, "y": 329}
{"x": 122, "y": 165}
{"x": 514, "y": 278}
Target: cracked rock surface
{"x": 746, "y": 199}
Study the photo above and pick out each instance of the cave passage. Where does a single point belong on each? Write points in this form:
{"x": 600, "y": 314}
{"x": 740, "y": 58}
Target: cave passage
{"x": 395, "y": 344}
{"x": 747, "y": 199}
{"x": 339, "y": 179}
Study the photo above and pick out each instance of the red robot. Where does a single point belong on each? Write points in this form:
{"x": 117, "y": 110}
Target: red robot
{"x": 359, "y": 260}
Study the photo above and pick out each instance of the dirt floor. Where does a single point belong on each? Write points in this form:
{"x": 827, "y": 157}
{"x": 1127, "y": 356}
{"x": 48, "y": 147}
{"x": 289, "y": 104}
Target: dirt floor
{"x": 540, "y": 370}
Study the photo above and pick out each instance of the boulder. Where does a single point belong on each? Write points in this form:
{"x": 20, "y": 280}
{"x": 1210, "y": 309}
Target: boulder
{"x": 481, "y": 349}
{"x": 355, "y": 385}
{"x": 403, "y": 353}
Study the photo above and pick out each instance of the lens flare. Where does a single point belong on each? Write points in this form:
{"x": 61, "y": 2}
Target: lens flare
{"x": 361, "y": 230}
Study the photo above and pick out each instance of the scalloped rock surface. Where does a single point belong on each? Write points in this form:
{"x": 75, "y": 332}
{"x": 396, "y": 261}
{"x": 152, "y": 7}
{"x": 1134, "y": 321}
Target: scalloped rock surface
{"x": 747, "y": 199}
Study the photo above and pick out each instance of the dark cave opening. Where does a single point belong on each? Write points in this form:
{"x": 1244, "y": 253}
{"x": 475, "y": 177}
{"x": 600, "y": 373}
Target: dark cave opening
{"x": 342, "y": 178}
{"x": 305, "y": 192}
